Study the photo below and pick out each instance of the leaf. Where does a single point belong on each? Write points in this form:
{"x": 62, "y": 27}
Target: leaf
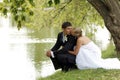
{"x": 31, "y": 2}
{"x": 19, "y": 25}
{"x": 16, "y": 17}
{"x": 23, "y": 9}
{"x": 0, "y": 8}
{"x": 50, "y": 2}
{"x": 5, "y": 11}
{"x": 31, "y": 13}
{"x": 23, "y": 18}
{"x": 14, "y": 10}
{"x": 56, "y": 2}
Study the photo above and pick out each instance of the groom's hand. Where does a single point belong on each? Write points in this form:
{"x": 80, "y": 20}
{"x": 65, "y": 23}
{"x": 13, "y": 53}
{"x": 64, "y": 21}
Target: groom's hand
{"x": 48, "y": 53}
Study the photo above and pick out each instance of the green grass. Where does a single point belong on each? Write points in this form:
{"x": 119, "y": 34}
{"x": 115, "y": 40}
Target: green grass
{"x": 89, "y": 74}
{"x": 93, "y": 74}
{"x": 109, "y": 52}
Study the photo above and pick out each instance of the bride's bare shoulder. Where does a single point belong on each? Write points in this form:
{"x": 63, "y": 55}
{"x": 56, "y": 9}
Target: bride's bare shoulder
{"x": 80, "y": 39}
{"x": 84, "y": 39}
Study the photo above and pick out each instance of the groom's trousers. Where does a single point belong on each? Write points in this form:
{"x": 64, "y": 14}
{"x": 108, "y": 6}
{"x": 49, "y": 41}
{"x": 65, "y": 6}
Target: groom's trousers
{"x": 63, "y": 59}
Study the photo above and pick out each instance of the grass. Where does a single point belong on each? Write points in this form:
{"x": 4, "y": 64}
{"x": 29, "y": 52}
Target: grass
{"x": 109, "y": 52}
{"x": 89, "y": 74}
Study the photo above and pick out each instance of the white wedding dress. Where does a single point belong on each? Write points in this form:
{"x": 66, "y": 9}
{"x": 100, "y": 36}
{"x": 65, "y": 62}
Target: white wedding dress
{"x": 89, "y": 57}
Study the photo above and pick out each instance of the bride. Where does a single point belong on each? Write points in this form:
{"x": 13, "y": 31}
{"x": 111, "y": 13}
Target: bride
{"x": 88, "y": 54}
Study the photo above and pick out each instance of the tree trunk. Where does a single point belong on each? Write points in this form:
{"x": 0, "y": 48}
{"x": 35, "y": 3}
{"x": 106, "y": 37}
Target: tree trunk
{"x": 115, "y": 33}
{"x": 110, "y": 12}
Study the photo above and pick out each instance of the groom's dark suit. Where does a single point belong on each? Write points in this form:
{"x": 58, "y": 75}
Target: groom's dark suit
{"x": 62, "y": 57}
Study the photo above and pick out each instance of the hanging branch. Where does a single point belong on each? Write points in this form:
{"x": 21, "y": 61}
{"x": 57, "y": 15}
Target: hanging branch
{"x": 61, "y": 9}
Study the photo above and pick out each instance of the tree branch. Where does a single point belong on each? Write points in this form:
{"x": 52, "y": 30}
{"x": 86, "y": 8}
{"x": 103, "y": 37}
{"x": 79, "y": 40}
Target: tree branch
{"x": 84, "y": 16}
{"x": 60, "y": 9}
{"x": 100, "y": 6}
{"x": 114, "y": 7}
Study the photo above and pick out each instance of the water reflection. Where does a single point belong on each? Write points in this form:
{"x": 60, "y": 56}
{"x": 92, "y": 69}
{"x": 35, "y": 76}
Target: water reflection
{"x": 43, "y": 65}
{"x": 46, "y": 69}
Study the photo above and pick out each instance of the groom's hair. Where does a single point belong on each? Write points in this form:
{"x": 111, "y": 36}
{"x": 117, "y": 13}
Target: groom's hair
{"x": 66, "y": 24}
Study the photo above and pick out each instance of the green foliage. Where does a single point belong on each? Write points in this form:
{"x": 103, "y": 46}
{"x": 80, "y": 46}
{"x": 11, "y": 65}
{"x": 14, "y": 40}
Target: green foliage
{"x": 31, "y": 2}
{"x": 52, "y": 13}
{"x": 19, "y": 9}
{"x": 56, "y": 1}
{"x": 50, "y": 2}
{"x": 5, "y": 11}
{"x": 79, "y": 12}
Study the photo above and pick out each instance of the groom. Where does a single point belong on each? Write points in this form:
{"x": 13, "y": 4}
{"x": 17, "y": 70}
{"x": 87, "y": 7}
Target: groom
{"x": 60, "y": 57}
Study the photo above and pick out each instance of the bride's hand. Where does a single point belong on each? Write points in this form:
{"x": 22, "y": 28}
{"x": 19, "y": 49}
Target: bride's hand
{"x": 71, "y": 52}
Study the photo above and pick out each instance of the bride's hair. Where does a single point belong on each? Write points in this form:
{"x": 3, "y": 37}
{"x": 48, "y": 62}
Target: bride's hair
{"x": 77, "y": 32}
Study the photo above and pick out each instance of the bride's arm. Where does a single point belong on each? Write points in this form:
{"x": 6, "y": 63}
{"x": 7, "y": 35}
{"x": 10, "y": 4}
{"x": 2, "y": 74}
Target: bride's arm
{"x": 78, "y": 45}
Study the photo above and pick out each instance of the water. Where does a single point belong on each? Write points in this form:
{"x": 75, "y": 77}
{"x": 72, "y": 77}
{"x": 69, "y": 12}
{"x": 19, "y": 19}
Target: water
{"x": 14, "y": 61}
{"x": 22, "y": 53}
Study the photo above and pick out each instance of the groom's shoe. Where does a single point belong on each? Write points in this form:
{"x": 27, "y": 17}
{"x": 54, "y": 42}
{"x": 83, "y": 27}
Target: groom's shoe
{"x": 69, "y": 68}
{"x": 65, "y": 68}
{"x": 73, "y": 67}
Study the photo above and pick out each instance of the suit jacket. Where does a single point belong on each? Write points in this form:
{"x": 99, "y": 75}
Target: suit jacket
{"x": 67, "y": 45}
{"x": 62, "y": 57}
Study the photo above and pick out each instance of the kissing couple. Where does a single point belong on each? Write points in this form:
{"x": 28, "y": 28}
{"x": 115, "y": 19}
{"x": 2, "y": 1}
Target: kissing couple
{"x": 72, "y": 50}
